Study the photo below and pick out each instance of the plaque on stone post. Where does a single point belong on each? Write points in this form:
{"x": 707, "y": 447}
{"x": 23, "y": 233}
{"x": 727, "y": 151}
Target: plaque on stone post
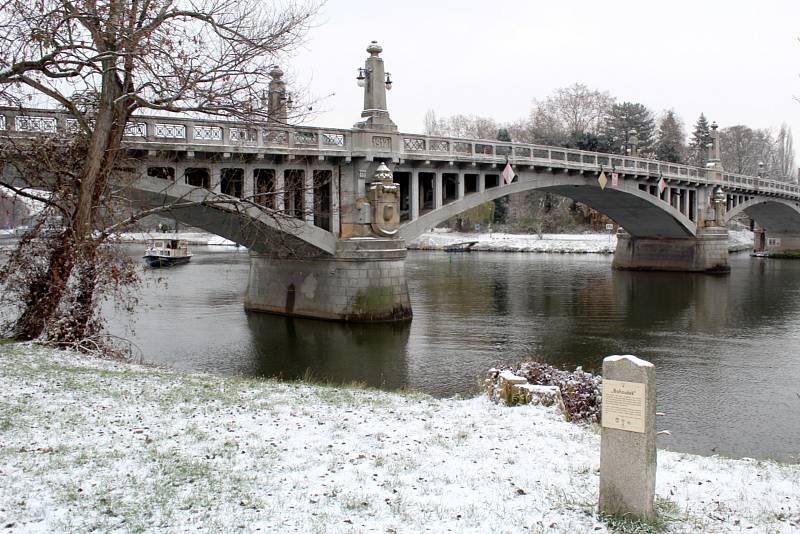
{"x": 628, "y": 437}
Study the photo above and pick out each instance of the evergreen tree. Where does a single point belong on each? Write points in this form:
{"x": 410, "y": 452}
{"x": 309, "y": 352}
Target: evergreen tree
{"x": 503, "y": 135}
{"x": 591, "y": 142}
{"x": 669, "y": 143}
{"x": 698, "y": 144}
{"x": 626, "y": 117}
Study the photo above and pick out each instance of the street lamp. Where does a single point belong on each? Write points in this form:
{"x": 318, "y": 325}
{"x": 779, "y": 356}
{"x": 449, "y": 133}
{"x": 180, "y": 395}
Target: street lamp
{"x": 364, "y": 73}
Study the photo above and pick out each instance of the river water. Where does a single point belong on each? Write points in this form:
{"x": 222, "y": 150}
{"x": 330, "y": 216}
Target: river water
{"x": 726, "y": 348}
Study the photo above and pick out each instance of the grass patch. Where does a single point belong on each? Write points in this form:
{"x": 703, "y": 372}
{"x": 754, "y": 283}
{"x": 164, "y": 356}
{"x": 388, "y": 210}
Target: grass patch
{"x": 666, "y": 513}
{"x": 785, "y": 255}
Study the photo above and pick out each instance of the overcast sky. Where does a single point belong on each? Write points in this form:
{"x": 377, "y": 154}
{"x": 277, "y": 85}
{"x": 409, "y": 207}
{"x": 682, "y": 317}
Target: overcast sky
{"x": 737, "y": 61}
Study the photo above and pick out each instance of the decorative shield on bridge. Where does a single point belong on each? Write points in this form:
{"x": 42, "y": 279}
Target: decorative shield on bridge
{"x": 384, "y": 197}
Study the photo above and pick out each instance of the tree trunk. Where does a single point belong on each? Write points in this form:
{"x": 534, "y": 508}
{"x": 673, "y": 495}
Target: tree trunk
{"x": 81, "y": 313}
{"x": 46, "y": 291}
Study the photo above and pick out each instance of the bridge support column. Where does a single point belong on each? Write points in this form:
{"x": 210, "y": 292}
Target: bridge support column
{"x": 414, "y": 195}
{"x": 364, "y": 282}
{"x": 707, "y": 252}
{"x": 437, "y": 190}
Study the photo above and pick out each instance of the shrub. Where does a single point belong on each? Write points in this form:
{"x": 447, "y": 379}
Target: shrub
{"x": 579, "y": 389}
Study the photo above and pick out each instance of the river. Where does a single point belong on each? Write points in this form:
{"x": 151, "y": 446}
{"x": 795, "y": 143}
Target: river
{"x": 726, "y": 348}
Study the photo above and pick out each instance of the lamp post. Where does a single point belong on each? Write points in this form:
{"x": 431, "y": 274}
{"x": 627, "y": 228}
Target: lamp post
{"x": 375, "y": 82}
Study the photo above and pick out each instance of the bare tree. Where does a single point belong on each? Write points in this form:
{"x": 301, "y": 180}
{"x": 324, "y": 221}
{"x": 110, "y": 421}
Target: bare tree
{"x": 432, "y": 126}
{"x": 103, "y": 61}
{"x": 463, "y": 126}
{"x": 743, "y": 148}
{"x": 569, "y": 113}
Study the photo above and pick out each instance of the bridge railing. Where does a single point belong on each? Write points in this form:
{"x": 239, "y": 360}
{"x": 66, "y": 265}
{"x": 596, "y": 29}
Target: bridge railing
{"x": 432, "y": 147}
{"x": 149, "y": 132}
{"x": 420, "y": 146}
{"x": 217, "y": 135}
{"x": 762, "y": 185}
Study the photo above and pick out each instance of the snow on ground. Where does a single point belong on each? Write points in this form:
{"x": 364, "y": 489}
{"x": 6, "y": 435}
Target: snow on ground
{"x": 94, "y": 445}
{"x": 740, "y": 240}
{"x": 603, "y": 243}
{"x": 194, "y": 238}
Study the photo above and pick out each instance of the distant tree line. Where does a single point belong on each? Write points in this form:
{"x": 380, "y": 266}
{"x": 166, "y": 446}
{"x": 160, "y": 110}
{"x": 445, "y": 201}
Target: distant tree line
{"x": 588, "y": 119}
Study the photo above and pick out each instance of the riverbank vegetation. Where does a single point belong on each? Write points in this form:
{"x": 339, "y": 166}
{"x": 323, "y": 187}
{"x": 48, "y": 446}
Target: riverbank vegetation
{"x": 107, "y": 446}
{"x": 580, "y": 391}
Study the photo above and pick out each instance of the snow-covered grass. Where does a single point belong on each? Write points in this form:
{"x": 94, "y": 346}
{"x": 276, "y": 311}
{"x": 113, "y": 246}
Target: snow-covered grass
{"x": 88, "y": 445}
{"x": 555, "y": 243}
{"x": 495, "y": 242}
{"x": 194, "y": 238}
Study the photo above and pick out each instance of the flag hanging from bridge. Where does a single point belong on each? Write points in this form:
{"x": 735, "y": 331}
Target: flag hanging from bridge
{"x": 662, "y": 184}
{"x": 614, "y": 179}
{"x": 508, "y": 174}
{"x": 602, "y": 180}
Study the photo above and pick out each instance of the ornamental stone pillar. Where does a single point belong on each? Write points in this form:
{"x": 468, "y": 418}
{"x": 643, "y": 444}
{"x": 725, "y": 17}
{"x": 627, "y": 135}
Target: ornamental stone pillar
{"x": 375, "y": 82}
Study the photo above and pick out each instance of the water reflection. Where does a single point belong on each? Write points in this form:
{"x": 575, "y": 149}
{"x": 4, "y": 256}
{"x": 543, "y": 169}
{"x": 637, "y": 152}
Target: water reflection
{"x": 294, "y": 348}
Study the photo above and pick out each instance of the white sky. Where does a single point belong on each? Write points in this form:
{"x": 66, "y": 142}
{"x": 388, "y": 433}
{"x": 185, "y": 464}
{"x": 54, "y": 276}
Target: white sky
{"x": 738, "y": 61}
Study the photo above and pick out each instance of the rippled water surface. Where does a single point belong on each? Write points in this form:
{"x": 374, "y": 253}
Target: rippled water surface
{"x": 726, "y": 348}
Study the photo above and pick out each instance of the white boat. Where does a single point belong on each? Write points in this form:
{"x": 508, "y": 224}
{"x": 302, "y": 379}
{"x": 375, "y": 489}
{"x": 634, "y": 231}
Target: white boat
{"x": 167, "y": 252}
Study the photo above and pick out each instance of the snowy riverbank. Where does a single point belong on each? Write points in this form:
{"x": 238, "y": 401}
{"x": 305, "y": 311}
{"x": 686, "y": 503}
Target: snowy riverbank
{"x": 194, "y": 238}
{"x": 604, "y": 243}
{"x": 554, "y": 243}
{"x": 95, "y": 445}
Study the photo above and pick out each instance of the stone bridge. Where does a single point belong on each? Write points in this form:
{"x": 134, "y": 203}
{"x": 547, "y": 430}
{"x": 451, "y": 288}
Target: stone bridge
{"x": 326, "y": 212}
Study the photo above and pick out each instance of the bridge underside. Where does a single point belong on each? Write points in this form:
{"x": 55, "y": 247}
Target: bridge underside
{"x": 775, "y": 217}
{"x": 640, "y": 213}
{"x": 779, "y": 222}
{"x": 256, "y": 228}
{"x": 639, "y": 216}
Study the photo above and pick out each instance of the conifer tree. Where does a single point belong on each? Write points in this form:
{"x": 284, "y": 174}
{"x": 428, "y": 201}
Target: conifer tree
{"x": 626, "y": 117}
{"x": 669, "y": 144}
{"x": 698, "y": 144}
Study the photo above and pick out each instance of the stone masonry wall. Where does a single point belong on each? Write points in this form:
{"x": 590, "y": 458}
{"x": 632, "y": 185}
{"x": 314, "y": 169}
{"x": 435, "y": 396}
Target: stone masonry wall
{"x": 337, "y": 289}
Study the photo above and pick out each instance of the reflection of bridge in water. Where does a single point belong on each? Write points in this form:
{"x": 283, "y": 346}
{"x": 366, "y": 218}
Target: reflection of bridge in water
{"x": 326, "y": 220}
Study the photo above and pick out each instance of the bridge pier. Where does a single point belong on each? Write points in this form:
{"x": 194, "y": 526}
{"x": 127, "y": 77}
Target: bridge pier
{"x": 364, "y": 282}
{"x": 707, "y": 252}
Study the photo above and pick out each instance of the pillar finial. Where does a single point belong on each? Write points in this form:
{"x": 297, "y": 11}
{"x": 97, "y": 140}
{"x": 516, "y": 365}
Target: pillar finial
{"x": 278, "y": 99}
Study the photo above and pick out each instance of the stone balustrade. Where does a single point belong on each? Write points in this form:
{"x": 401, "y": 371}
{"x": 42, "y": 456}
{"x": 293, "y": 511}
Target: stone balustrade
{"x": 189, "y": 134}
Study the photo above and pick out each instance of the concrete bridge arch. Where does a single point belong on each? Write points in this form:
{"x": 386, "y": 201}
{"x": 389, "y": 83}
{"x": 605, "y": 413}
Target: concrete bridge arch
{"x": 259, "y": 229}
{"x": 639, "y": 212}
{"x": 776, "y": 215}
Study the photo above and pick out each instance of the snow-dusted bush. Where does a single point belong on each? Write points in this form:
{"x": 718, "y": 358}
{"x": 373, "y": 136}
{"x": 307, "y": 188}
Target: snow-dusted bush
{"x": 579, "y": 389}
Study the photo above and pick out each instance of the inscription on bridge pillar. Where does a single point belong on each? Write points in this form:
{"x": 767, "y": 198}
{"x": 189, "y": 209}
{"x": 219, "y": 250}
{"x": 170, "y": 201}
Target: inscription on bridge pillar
{"x": 381, "y": 142}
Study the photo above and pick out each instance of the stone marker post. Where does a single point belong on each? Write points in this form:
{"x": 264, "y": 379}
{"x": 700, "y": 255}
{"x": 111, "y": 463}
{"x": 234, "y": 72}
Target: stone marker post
{"x": 628, "y": 437}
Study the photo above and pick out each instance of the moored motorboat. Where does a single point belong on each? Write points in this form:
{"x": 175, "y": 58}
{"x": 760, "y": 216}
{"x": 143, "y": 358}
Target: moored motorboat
{"x": 167, "y": 252}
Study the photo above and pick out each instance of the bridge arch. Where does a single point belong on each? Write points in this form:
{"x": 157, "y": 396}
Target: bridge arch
{"x": 640, "y": 213}
{"x": 775, "y": 215}
{"x": 252, "y": 226}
